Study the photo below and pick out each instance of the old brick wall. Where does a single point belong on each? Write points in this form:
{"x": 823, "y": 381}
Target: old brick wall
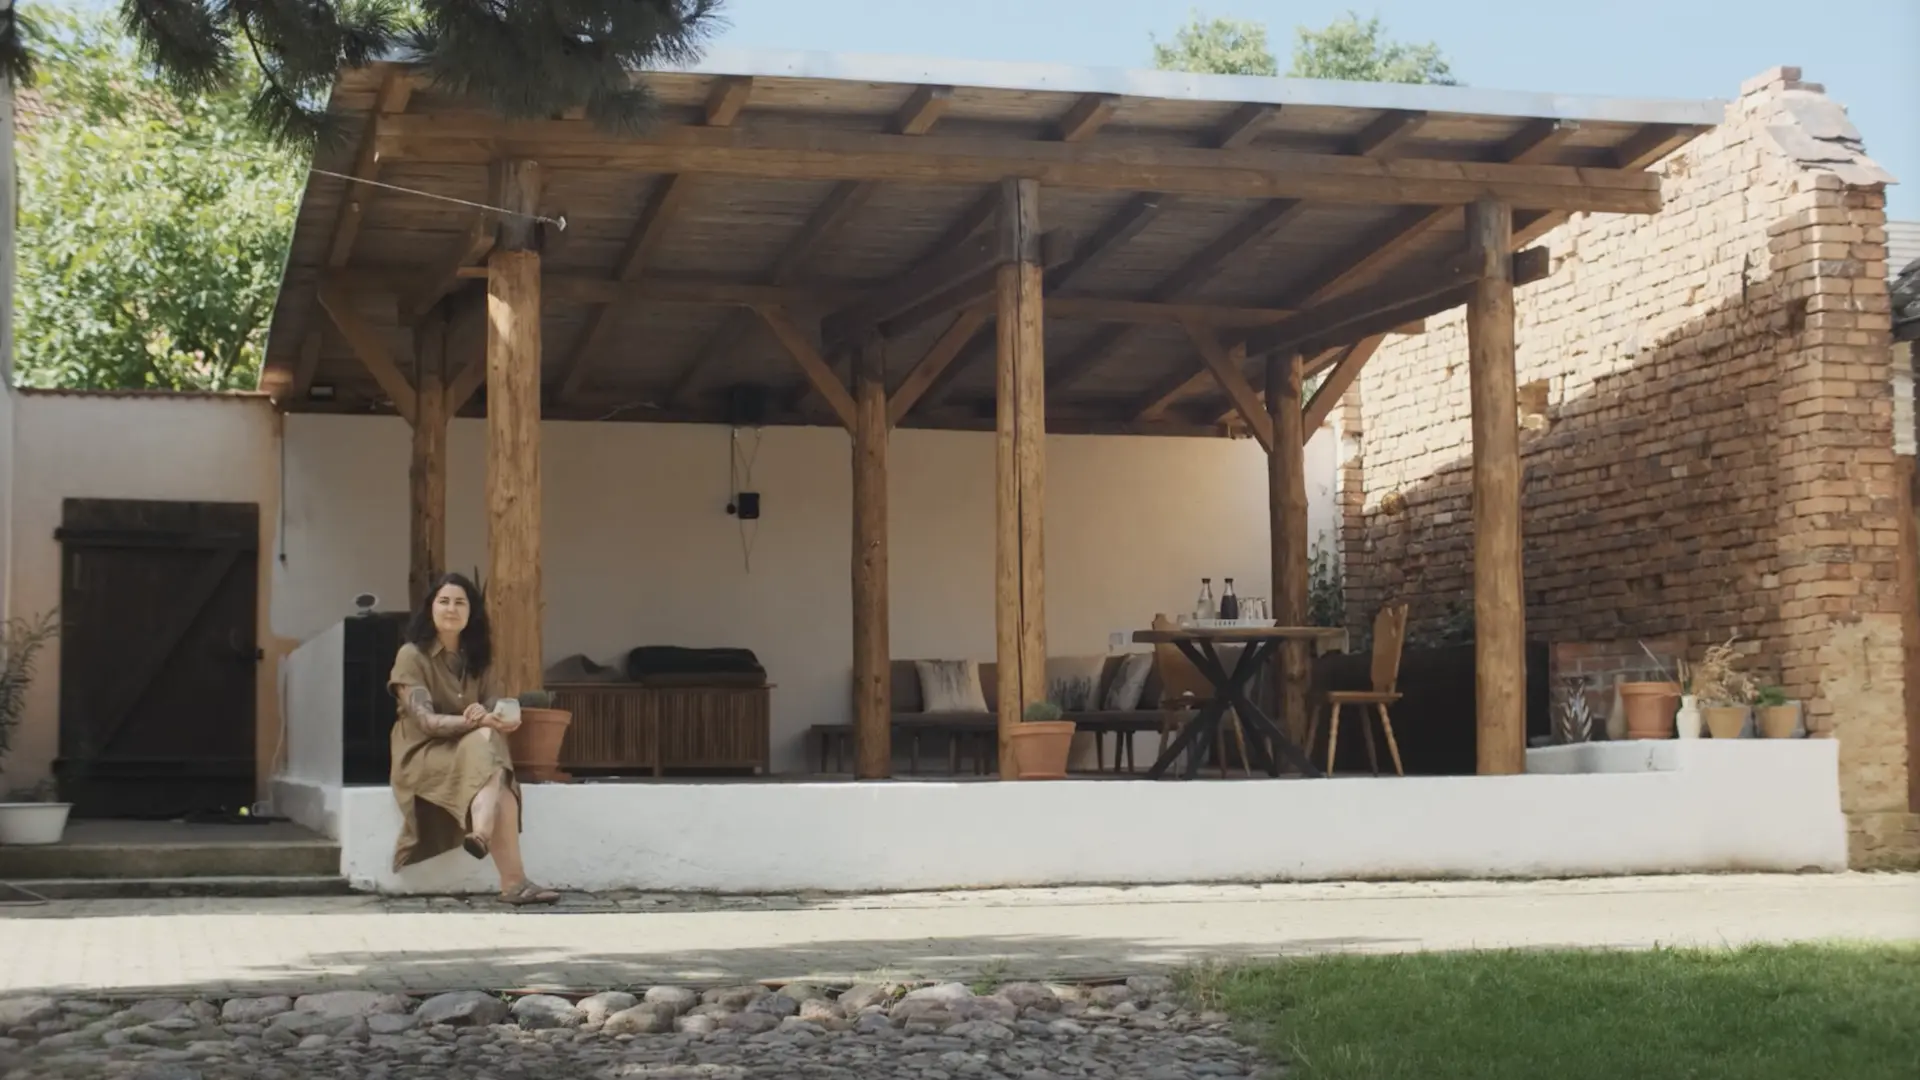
{"x": 1708, "y": 439}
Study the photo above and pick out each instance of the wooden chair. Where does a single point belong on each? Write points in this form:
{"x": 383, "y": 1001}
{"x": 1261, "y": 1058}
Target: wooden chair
{"x": 1389, "y": 634}
{"x": 1184, "y": 689}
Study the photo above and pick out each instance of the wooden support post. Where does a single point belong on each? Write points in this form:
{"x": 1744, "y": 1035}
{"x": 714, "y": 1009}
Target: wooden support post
{"x": 1020, "y": 620}
{"x": 1287, "y": 514}
{"x": 427, "y": 478}
{"x": 1499, "y": 605}
{"x": 513, "y": 432}
{"x": 872, "y": 681}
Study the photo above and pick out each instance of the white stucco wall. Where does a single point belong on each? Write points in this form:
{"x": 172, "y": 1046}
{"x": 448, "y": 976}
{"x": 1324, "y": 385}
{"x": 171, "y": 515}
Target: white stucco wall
{"x": 159, "y": 446}
{"x": 1700, "y": 806}
{"x": 312, "y": 697}
{"x": 639, "y": 550}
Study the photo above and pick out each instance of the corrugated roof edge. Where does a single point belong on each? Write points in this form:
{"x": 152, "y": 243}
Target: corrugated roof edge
{"x": 1177, "y": 85}
{"x": 173, "y": 395}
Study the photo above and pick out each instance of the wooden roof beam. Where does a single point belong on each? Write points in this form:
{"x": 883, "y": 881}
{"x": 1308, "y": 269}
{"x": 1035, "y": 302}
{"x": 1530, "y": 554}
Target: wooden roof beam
{"x": 1200, "y": 268}
{"x": 725, "y": 102}
{"x": 1244, "y": 125}
{"x": 916, "y": 116}
{"x": 1642, "y": 150}
{"x": 1384, "y": 136}
{"x": 367, "y": 346}
{"x": 1319, "y": 407}
{"x": 944, "y": 351}
{"x": 816, "y": 369}
{"x": 467, "y": 249}
{"x": 1537, "y": 142}
{"x": 1087, "y": 117}
{"x": 796, "y": 153}
{"x": 1223, "y": 364}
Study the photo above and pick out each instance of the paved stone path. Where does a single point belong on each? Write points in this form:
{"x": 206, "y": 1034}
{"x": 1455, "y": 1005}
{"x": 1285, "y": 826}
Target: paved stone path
{"x": 223, "y": 948}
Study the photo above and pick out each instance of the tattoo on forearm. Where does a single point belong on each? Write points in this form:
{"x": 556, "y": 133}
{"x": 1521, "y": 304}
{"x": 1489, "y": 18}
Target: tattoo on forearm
{"x": 419, "y": 704}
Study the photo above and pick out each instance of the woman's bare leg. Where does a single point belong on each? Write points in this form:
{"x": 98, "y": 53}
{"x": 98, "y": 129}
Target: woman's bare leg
{"x": 506, "y": 837}
{"x": 484, "y": 813}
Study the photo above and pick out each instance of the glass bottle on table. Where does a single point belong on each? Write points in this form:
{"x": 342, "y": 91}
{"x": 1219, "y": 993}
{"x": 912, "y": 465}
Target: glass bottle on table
{"x": 1229, "y": 603}
{"x": 1203, "y": 605}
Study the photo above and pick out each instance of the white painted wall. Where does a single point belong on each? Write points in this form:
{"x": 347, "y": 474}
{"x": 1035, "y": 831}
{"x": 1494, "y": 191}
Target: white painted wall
{"x": 117, "y": 446}
{"x": 639, "y": 551}
{"x": 313, "y": 698}
{"x": 1706, "y": 805}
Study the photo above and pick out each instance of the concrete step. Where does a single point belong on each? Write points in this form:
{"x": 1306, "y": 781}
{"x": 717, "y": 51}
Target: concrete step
{"x": 163, "y": 888}
{"x": 159, "y": 851}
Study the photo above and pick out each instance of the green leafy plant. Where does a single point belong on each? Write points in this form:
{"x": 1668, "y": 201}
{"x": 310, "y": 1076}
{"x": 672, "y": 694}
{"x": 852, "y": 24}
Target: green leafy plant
{"x": 1041, "y": 712}
{"x": 1326, "y": 589}
{"x": 20, "y": 642}
{"x": 1771, "y": 697}
{"x": 535, "y": 699}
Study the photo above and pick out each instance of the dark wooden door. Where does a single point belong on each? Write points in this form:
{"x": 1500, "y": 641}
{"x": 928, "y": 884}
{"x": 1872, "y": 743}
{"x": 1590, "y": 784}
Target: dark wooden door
{"x": 158, "y": 656}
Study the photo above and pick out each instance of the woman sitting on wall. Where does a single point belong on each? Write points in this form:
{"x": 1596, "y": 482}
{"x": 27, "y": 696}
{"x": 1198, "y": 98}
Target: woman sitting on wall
{"x": 452, "y": 771}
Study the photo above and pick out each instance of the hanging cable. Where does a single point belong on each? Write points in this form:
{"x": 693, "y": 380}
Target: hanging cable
{"x": 740, "y": 478}
{"x": 557, "y": 222}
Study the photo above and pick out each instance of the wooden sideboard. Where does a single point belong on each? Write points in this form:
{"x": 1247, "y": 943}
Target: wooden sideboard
{"x": 625, "y": 728}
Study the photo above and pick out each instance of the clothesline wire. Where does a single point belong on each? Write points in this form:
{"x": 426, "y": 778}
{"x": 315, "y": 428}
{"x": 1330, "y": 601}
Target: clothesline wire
{"x": 558, "y": 223}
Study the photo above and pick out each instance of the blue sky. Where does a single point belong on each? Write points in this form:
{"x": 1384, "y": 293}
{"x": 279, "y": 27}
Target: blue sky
{"x": 1869, "y": 60}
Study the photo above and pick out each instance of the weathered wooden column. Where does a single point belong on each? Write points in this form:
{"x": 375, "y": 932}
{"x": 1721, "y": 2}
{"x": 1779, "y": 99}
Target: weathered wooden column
{"x": 872, "y": 681}
{"x": 1020, "y": 618}
{"x": 427, "y": 478}
{"x": 513, "y": 430}
{"x": 1499, "y": 605}
{"x": 1287, "y": 515}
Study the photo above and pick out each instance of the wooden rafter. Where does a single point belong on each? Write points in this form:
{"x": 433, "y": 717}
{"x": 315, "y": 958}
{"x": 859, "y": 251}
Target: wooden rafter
{"x": 311, "y": 345}
{"x": 1224, "y": 364}
{"x": 1199, "y": 269}
{"x": 467, "y": 336}
{"x": 916, "y": 116}
{"x": 1341, "y": 376}
{"x": 1384, "y": 136}
{"x": 727, "y": 100}
{"x": 468, "y": 249}
{"x": 1244, "y": 125}
{"x": 1088, "y": 115}
{"x": 943, "y": 353}
{"x": 1646, "y": 148}
{"x": 798, "y": 155}
{"x": 367, "y": 345}
{"x": 816, "y": 369}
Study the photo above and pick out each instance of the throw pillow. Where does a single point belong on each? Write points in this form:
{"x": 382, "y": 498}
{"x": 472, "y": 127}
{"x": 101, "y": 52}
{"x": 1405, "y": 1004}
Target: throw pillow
{"x": 1129, "y": 683}
{"x": 950, "y": 686}
{"x": 1072, "y": 681}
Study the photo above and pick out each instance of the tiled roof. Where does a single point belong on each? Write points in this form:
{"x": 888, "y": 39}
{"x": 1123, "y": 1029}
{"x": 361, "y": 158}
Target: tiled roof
{"x": 1903, "y": 245}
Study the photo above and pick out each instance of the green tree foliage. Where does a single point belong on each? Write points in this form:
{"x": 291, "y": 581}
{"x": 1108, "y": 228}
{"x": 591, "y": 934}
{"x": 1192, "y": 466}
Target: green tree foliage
{"x": 1217, "y": 46}
{"x": 526, "y": 58}
{"x": 152, "y": 227}
{"x": 1347, "y": 48}
{"x": 1361, "y": 52}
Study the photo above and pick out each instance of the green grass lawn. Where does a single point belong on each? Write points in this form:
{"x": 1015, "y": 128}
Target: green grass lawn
{"x": 1797, "y": 1013}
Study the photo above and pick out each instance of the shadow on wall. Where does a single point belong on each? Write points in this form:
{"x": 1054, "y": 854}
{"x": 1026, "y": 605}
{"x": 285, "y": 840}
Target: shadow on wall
{"x": 1652, "y": 504}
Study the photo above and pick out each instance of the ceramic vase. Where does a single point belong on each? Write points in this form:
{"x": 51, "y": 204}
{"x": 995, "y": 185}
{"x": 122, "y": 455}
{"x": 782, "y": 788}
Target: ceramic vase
{"x": 1688, "y": 718}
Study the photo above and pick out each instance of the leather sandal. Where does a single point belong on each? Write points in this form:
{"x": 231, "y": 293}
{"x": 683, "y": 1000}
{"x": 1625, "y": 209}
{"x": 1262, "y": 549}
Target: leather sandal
{"x": 529, "y": 893}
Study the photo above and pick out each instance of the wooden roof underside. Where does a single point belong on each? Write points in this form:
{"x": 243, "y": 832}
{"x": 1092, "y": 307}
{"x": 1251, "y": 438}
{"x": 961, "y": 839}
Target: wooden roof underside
{"x": 812, "y": 196}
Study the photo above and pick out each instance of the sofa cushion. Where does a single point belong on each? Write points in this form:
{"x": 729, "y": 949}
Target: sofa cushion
{"x": 950, "y": 686}
{"x": 1124, "y": 680}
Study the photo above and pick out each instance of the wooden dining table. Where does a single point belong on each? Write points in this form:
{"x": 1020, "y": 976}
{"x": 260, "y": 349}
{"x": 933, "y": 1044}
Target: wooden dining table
{"x": 1200, "y": 645}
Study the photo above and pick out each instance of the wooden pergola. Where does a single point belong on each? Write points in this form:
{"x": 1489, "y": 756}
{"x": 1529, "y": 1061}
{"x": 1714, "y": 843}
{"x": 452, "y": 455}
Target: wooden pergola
{"x": 873, "y": 243}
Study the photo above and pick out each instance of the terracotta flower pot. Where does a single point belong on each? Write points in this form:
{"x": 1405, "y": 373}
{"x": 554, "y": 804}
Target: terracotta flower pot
{"x": 1650, "y": 708}
{"x": 1778, "y": 721}
{"x": 1725, "y": 721}
{"x": 536, "y": 745}
{"x": 1040, "y": 749}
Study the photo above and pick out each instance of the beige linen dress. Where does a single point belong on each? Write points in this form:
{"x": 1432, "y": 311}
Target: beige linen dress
{"x": 435, "y": 777}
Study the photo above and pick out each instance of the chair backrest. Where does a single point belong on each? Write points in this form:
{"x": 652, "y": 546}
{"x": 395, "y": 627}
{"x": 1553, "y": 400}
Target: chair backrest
{"x": 1389, "y": 634}
{"x": 1179, "y": 677}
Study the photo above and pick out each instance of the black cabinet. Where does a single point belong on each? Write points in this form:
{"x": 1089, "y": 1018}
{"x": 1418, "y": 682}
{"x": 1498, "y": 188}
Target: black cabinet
{"x": 367, "y": 705}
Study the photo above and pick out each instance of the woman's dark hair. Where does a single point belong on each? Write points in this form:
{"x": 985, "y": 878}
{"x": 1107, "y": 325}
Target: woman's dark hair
{"x": 476, "y": 641}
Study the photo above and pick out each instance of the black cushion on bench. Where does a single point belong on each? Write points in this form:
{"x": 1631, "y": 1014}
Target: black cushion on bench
{"x": 672, "y": 661}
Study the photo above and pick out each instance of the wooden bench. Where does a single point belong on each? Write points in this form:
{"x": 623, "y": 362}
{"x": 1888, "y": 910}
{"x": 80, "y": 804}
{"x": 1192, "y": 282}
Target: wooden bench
{"x": 621, "y": 727}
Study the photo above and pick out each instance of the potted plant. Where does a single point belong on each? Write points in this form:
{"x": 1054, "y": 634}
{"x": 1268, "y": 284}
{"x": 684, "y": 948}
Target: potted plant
{"x": 536, "y": 742}
{"x": 1777, "y": 715}
{"x": 1725, "y": 692}
{"x": 1650, "y": 704}
{"x": 29, "y": 815}
{"x": 1041, "y": 743}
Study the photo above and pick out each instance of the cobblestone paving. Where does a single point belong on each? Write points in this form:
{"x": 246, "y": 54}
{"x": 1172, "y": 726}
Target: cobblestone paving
{"x": 1138, "y": 1030}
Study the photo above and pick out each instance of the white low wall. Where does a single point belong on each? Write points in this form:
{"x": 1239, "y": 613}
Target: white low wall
{"x": 1746, "y": 805}
{"x": 312, "y": 698}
